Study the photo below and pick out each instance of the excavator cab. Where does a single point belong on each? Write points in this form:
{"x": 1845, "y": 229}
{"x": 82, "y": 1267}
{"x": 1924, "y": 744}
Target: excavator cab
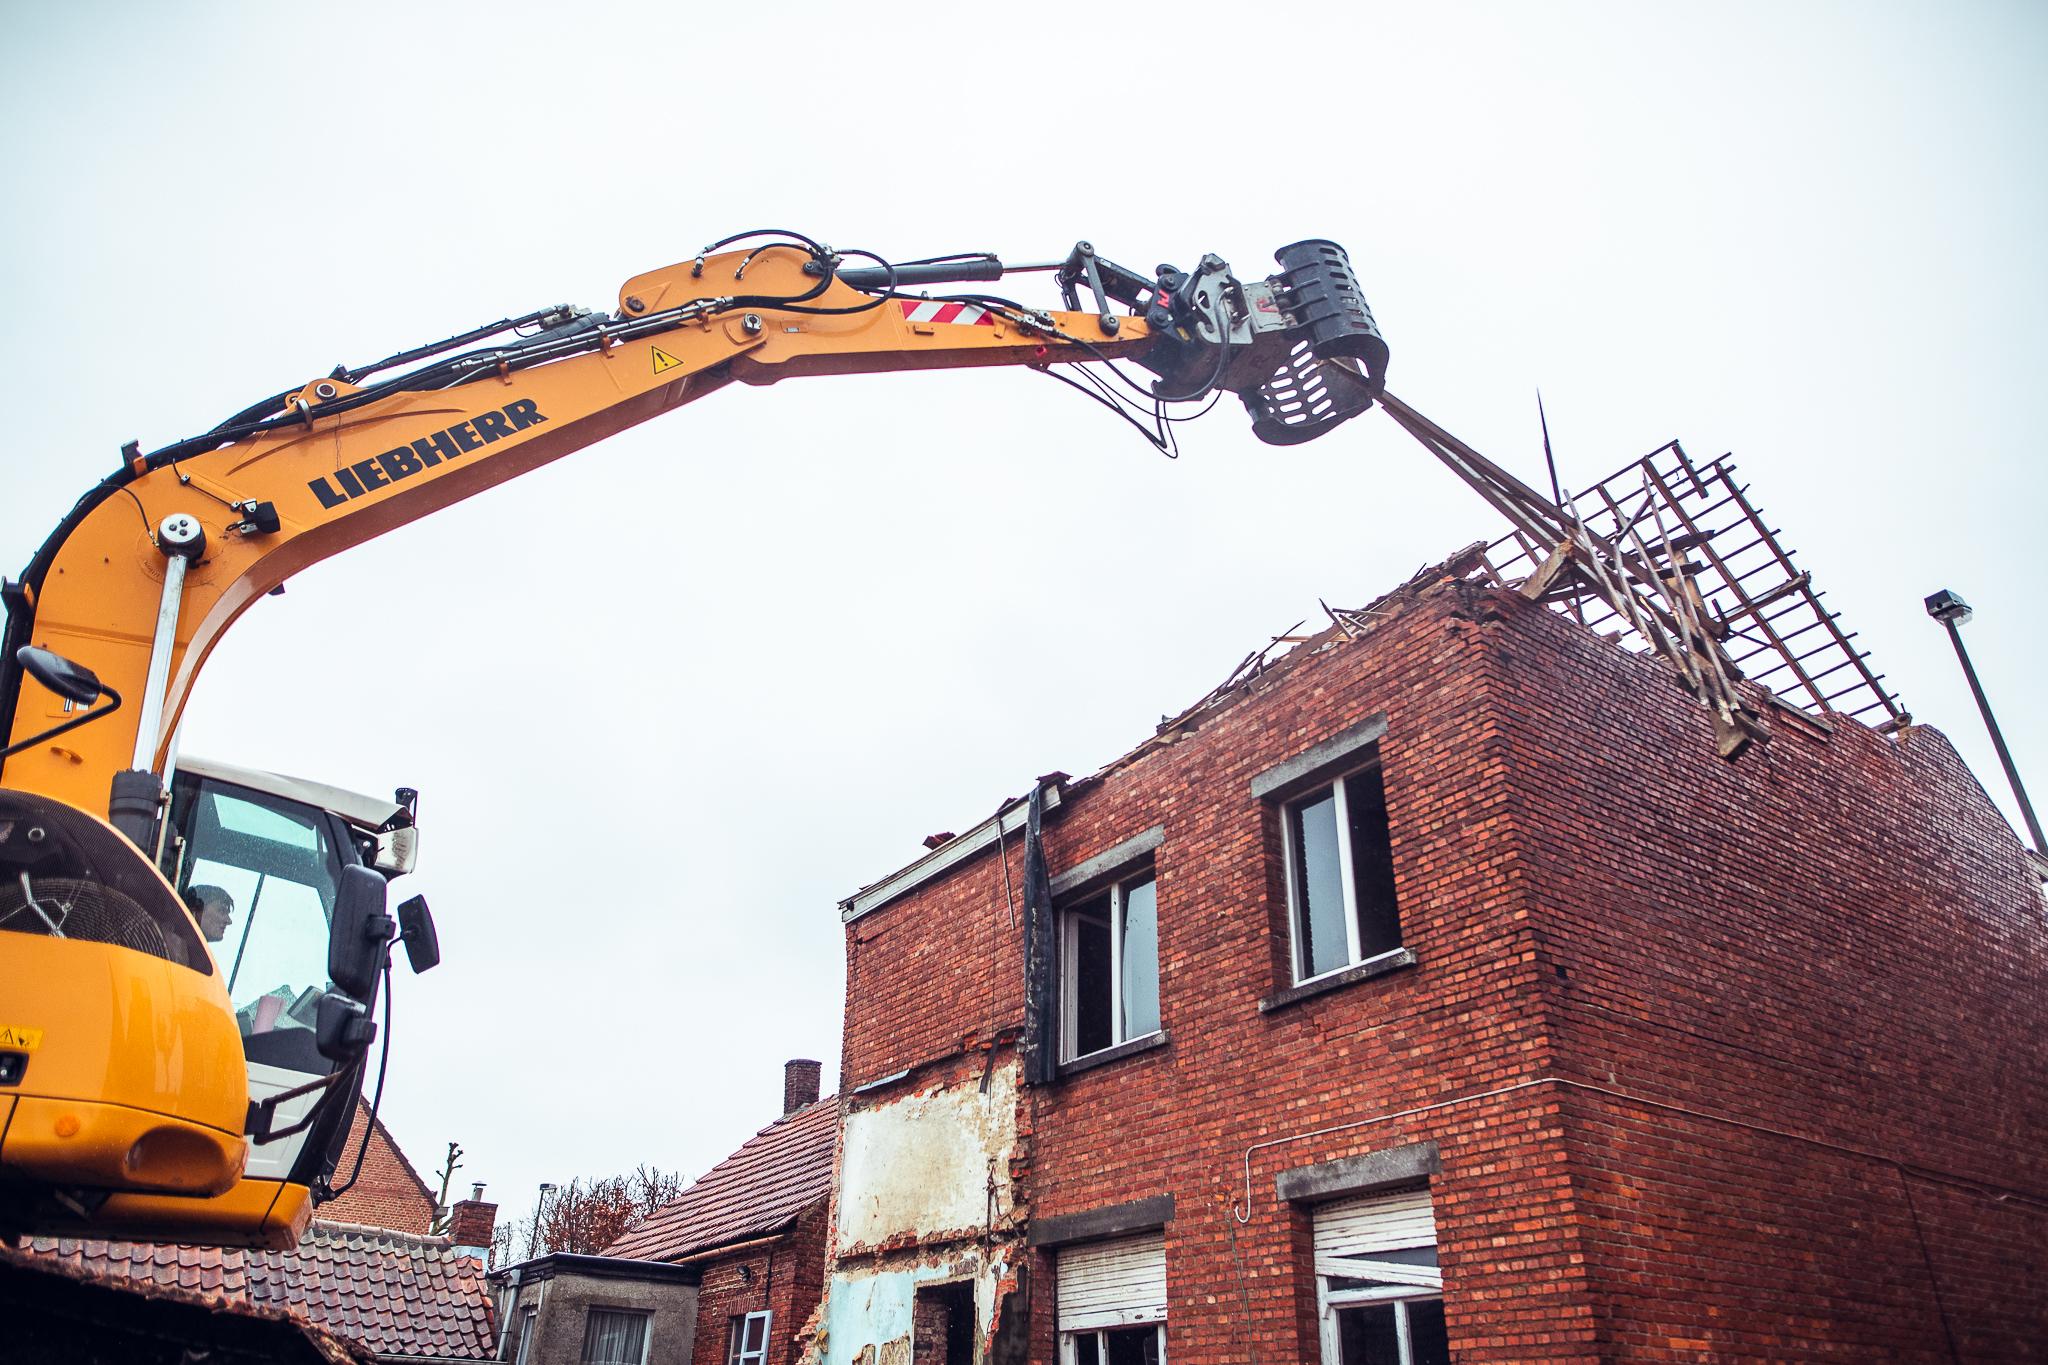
{"x": 283, "y": 877}
{"x": 203, "y": 1018}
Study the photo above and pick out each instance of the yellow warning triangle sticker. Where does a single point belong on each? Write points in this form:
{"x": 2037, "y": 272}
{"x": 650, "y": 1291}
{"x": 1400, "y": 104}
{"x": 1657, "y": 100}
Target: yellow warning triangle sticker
{"x": 663, "y": 360}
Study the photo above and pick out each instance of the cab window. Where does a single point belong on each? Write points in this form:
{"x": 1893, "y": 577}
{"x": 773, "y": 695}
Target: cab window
{"x": 260, "y": 873}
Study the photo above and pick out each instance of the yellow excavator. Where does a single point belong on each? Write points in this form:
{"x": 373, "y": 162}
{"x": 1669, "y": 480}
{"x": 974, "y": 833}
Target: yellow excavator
{"x": 154, "y": 1083}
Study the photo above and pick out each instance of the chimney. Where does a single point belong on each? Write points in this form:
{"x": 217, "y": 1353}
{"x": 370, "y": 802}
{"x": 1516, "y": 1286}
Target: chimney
{"x": 800, "y": 1077}
{"x": 470, "y": 1225}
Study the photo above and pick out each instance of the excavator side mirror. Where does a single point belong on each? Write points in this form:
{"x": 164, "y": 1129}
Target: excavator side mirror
{"x": 343, "y": 1029}
{"x": 416, "y": 929}
{"x": 360, "y": 935}
{"x": 73, "y": 682}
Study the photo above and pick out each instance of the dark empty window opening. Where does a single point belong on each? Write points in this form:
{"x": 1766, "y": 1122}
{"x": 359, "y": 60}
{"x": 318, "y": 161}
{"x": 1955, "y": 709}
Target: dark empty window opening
{"x": 1340, "y": 875}
{"x": 942, "y": 1324}
{"x": 1109, "y": 968}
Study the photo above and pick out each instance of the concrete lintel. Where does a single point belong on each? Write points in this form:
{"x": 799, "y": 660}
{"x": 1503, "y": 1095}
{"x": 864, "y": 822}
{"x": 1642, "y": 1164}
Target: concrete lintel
{"x": 1315, "y": 766}
{"x": 1389, "y": 1169}
{"x": 1063, "y": 1229}
{"x": 1106, "y": 864}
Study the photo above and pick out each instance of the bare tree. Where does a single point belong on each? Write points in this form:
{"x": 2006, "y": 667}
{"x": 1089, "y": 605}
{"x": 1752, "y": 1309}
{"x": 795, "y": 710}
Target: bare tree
{"x": 442, "y": 1212}
{"x": 586, "y": 1216}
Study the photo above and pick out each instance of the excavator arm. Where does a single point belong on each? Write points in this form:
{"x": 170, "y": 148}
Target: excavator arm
{"x": 141, "y": 579}
{"x": 344, "y": 459}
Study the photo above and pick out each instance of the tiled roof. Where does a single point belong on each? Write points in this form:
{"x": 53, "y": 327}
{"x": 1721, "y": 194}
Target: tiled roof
{"x": 774, "y": 1176}
{"x": 393, "y": 1292}
{"x": 77, "y": 1309}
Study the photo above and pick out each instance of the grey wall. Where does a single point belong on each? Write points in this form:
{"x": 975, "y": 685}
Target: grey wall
{"x": 566, "y": 1298}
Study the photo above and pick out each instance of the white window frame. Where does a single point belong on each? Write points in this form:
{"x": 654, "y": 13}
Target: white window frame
{"x": 1070, "y": 958}
{"x": 1354, "y": 946}
{"x": 529, "y": 1319}
{"x": 1329, "y": 1301}
{"x": 1070, "y": 1351}
{"x": 736, "y": 1352}
{"x": 646, "y": 1330}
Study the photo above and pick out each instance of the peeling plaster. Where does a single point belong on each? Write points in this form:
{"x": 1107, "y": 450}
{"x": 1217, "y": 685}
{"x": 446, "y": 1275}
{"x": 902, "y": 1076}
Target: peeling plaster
{"x": 868, "y": 1312}
{"x": 919, "y": 1168}
{"x": 925, "y": 1196}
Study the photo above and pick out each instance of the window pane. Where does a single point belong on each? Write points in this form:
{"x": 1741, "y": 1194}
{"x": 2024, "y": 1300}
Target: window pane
{"x": 1318, "y": 886}
{"x": 1134, "y": 1346}
{"x": 1372, "y": 863}
{"x": 1428, "y": 1343}
{"x": 264, "y": 872}
{"x": 1092, "y": 984}
{"x": 757, "y": 1332}
{"x": 1087, "y": 1350}
{"x": 1368, "y": 1336}
{"x": 614, "y": 1338}
{"x": 1140, "y": 960}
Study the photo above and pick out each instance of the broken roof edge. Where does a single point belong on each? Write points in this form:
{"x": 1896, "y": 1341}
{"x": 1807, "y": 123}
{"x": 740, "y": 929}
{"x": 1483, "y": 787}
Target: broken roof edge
{"x": 1009, "y": 819}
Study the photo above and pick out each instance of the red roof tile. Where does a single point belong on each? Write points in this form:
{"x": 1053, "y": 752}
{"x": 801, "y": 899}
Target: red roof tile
{"x": 761, "y": 1188}
{"x": 393, "y": 1292}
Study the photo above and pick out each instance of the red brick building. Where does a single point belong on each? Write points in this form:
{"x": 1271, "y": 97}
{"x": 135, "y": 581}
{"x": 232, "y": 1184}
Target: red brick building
{"x": 754, "y": 1227}
{"x": 388, "y": 1192}
{"x": 1436, "y": 992}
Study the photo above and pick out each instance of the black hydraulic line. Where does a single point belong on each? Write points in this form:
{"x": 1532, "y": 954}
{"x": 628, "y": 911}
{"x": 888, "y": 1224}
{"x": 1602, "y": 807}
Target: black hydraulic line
{"x": 354, "y": 374}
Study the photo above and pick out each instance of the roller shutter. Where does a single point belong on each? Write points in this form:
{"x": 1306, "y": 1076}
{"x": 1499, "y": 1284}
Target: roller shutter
{"x": 1353, "y": 1238}
{"x": 1112, "y": 1284}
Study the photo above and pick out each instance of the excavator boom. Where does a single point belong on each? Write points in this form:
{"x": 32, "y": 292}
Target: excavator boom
{"x": 141, "y": 579}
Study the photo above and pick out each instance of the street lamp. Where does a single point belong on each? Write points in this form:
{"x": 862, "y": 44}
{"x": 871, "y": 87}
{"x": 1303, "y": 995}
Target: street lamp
{"x": 1952, "y": 611}
{"x": 533, "y": 1229}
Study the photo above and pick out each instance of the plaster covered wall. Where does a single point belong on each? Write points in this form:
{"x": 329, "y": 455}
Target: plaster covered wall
{"x": 928, "y": 1165}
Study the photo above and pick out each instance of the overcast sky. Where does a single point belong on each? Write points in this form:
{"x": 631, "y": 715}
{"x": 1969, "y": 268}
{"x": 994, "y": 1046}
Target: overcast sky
{"x": 670, "y": 699}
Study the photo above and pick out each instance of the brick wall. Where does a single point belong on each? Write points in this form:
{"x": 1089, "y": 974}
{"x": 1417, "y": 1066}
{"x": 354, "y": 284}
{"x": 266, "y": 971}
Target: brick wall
{"x": 1720, "y": 1059}
{"x": 785, "y": 1277}
{"x": 1806, "y": 971}
{"x": 389, "y": 1193}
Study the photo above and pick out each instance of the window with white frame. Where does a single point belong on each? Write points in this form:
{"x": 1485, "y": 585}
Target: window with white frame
{"x": 748, "y": 1339}
{"x": 1379, "y": 1293}
{"x": 1109, "y": 967}
{"x": 1112, "y": 1302}
{"x": 615, "y": 1337}
{"x": 1340, "y": 875}
{"x": 529, "y": 1318}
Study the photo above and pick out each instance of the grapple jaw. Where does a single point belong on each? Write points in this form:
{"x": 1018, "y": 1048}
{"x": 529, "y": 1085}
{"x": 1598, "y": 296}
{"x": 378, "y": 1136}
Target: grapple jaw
{"x": 1300, "y": 348}
{"x": 1335, "y": 363}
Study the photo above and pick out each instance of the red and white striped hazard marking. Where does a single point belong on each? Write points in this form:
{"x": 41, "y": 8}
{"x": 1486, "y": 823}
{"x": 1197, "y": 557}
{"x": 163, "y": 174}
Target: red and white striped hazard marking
{"x": 932, "y": 310}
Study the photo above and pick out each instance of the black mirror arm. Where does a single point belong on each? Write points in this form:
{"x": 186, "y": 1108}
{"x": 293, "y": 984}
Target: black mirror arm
{"x": 113, "y": 705}
{"x": 257, "y": 1124}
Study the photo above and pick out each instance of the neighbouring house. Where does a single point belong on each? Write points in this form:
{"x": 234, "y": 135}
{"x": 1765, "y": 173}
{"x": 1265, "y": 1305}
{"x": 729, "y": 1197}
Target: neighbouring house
{"x": 754, "y": 1228}
{"x": 1434, "y": 990}
{"x": 727, "y": 1274}
{"x": 386, "y": 1293}
{"x": 569, "y": 1309}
